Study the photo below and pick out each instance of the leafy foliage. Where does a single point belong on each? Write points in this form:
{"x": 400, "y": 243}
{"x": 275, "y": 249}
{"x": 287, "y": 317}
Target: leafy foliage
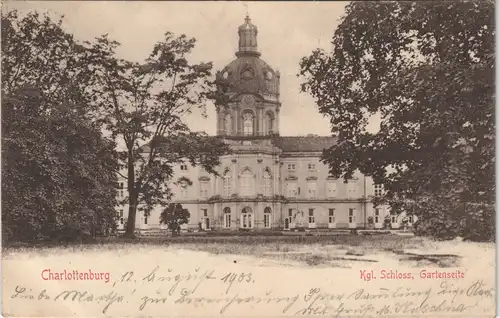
{"x": 426, "y": 70}
{"x": 174, "y": 215}
{"x": 143, "y": 106}
{"x": 58, "y": 177}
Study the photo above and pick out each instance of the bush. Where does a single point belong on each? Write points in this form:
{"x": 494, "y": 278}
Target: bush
{"x": 473, "y": 222}
{"x": 479, "y": 223}
{"x": 174, "y": 215}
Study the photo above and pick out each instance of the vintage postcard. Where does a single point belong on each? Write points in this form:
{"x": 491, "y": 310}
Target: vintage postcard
{"x": 248, "y": 159}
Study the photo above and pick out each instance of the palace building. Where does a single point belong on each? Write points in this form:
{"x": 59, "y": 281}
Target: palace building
{"x": 269, "y": 182}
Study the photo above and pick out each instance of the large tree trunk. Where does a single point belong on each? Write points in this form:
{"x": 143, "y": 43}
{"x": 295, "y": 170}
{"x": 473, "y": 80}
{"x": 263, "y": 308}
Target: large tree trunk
{"x": 132, "y": 210}
{"x": 132, "y": 197}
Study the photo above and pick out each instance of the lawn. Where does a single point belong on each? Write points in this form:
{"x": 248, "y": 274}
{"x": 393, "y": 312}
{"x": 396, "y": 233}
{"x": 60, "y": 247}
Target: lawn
{"x": 342, "y": 251}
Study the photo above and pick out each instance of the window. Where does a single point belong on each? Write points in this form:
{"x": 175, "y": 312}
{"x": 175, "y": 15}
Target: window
{"x": 247, "y": 182}
{"x": 331, "y": 216}
{"x": 183, "y": 190}
{"x": 247, "y": 124}
{"x": 288, "y": 219}
{"x": 227, "y": 124}
{"x": 352, "y": 188}
{"x": 393, "y": 219}
{"x": 311, "y": 166}
{"x": 377, "y": 215}
{"x": 410, "y": 219}
{"x": 291, "y": 166}
{"x": 246, "y": 218}
{"x": 268, "y": 124}
{"x": 120, "y": 185}
{"x": 291, "y": 190}
{"x": 227, "y": 183}
{"x": 267, "y": 183}
{"x": 120, "y": 213}
{"x": 311, "y": 189}
{"x": 145, "y": 218}
{"x": 311, "y": 216}
{"x": 184, "y": 167}
{"x": 267, "y": 217}
{"x": 205, "y": 220}
{"x": 378, "y": 190}
{"x": 331, "y": 189}
{"x": 227, "y": 218}
{"x": 120, "y": 194}
{"x": 204, "y": 189}
{"x": 352, "y": 217}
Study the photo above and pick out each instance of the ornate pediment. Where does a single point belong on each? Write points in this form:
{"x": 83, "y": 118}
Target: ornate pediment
{"x": 204, "y": 178}
{"x": 291, "y": 178}
{"x": 311, "y": 178}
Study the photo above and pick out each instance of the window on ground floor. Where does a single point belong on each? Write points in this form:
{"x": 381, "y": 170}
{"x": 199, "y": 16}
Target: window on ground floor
{"x": 352, "y": 217}
{"x": 311, "y": 216}
{"x": 331, "y": 216}
{"x": 120, "y": 212}
{"x": 267, "y": 217}
{"x": 246, "y": 218}
{"x": 377, "y": 215}
{"x": 227, "y": 217}
{"x": 145, "y": 218}
{"x": 393, "y": 219}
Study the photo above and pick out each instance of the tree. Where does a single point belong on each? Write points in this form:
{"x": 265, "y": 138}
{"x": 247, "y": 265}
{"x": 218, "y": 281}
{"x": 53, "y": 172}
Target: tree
{"x": 57, "y": 168}
{"x": 143, "y": 106}
{"x": 427, "y": 70}
{"x": 174, "y": 215}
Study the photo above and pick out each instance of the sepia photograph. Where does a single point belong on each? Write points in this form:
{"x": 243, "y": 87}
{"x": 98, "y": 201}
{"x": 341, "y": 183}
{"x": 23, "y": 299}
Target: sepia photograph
{"x": 248, "y": 159}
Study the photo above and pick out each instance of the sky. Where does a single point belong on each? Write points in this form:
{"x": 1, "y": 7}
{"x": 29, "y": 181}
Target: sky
{"x": 288, "y": 31}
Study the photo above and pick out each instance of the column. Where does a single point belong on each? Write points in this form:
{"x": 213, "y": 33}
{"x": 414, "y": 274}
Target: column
{"x": 235, "y": 216}
{"x": 276, "y": 178}
{"x": 258, "y": 179}
{"x": 276, "y": 128}
{"x": 215, "y": 187}
{"x": 235, "y": 176}
{"x": 215, "y": 215}
{"x": 239, "y": 128}
{"x": 261, "y": 119}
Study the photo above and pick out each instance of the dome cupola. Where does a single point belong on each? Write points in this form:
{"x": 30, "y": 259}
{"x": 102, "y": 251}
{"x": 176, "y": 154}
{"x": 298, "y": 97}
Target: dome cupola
{"x": 248, "y": 39}
{"x": 248, "y": 73}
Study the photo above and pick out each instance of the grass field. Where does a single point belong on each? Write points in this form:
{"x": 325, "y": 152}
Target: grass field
{"x": 343, "y": 251}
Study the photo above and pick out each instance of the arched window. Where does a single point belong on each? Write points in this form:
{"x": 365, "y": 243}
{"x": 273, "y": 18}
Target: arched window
{"x": 267, "y": 217}
{"x": 247, "y": 124}
{"x": 227, "y": 217}
{"x": 227, "y": 183}
{"x": 227, "y": 124}
{"x": 267, "y": 183}
{"x": 246, "y": 218}
{"x": 247, "y": 182}
{"x": 269, "y": 124}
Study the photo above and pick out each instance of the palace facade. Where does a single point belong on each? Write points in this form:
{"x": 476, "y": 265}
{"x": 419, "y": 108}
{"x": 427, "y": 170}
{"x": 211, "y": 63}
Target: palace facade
{"x": 269, "y": 182}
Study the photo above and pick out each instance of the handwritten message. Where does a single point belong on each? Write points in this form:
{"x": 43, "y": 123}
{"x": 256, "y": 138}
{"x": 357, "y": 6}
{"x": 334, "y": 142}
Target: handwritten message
{"x": 264, "y": 292}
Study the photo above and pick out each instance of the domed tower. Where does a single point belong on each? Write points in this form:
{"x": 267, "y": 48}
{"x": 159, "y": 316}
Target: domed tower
{"x": 252, "y": 88}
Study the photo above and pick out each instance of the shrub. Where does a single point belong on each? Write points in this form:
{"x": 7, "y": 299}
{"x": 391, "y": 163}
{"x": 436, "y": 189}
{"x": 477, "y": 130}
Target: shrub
{"x": 479, "y": 223}
{"x": 174, "y": 215}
